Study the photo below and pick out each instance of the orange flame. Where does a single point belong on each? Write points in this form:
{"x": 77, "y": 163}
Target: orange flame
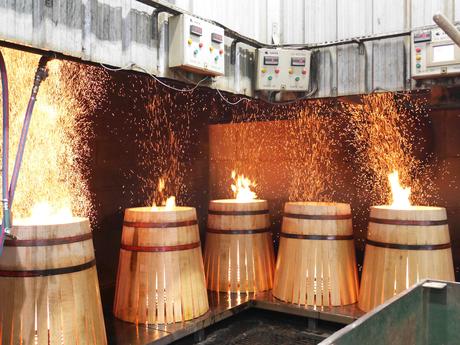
{"x": 242, "y": 188}
{"x": 400, "y": 195}
{"x": 45, "y": 213}
{"x": 170, "y": 203}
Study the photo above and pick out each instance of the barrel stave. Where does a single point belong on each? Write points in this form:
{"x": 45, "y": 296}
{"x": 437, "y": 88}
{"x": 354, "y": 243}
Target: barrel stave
{"x": 394, "y": 259}
{"x": 315, "y": 266}
{"x": 239, "y": 251}
{"x": 160, "y": 275}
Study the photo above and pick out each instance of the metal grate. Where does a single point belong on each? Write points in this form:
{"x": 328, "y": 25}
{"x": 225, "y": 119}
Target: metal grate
{"x": 260, "y": 333}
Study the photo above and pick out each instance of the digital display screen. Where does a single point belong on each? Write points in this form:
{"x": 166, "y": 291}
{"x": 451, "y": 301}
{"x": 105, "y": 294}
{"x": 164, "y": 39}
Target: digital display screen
{"x": 271, "y": 60}
{"x": 422, "y": 36}
{"x": 443, "y": 53}
{"x": 196, "y": 30}
{"x": 298, "y": 61}
{"x": 217, "y": 38}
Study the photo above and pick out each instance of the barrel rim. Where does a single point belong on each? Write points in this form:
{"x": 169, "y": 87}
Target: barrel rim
{"x": 236, "y": 201}
{"x": 74, "y": 220}
{"x": 316, "y": 203}
{"x": 412, "y": 208}
{"x": 160, "y": 210}
{"x": 160, "y": 225}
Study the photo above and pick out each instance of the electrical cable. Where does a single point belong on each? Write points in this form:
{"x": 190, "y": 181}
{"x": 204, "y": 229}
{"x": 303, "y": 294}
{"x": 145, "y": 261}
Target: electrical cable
{"x": 118, "y": 68}
{"x": 226, "y": 100}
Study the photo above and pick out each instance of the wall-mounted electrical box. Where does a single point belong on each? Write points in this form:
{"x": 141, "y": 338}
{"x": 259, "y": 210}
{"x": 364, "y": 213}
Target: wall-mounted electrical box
{"x": 434, "y": 54}
{"x": 283, "y": 69}
{"x": 196, "y": 45}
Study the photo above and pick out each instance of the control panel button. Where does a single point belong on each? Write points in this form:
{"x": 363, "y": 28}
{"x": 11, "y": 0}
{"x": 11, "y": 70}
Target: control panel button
{"x": 221, "y": 51}
{"x": 418, "y": 57}
{"x": 290, "y": 71}
{"x": 270, "y": 77}
{"x": 304, "y": 71}
{"x": 211, "y": 49}
{"x": 200, "y": 45}
{"x": 297, "y": 78}
{"x": 189, "y": 41}
{"x": 195, "y": 52}
{"x": 216, "y": 58}
{"x": 263, "y": 70}
{"x": 418, "y": 65}
{"x": 277, "y": 70}
{"x": 418, "y": 50}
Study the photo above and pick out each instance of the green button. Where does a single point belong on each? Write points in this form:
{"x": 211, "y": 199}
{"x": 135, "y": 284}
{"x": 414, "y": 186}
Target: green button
{"x": 195, "y": 51}
{"x": 216, "y": 58}
{"x": 270, "y": 77}
{"x": 297, "y": 78}
{"x": 418, "y": 65}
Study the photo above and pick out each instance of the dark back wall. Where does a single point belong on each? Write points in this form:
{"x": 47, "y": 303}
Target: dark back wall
{"x": 141, "y": 128}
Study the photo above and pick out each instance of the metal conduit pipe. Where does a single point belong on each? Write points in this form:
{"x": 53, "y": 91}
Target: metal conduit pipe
{"x": 40, "y": 75}
{"x": 448, "y": 27}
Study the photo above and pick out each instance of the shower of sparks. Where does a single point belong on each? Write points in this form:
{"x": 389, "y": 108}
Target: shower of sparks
{"x": 241, "y": 187}
{"x": 53, "y": 179}
{"x": 166, "y": 133}
{"x": 386, "y": 136}
{"x": 312, "y": 152}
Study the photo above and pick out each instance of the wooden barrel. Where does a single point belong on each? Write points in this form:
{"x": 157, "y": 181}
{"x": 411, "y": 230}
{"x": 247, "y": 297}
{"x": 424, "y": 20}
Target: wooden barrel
{"x": 316, "y": 262}
{"x": 160, "y": 272}
{"x": 239, "y": 250}
{"x": 49, "y": 292}
{"x": 402, "y": 248}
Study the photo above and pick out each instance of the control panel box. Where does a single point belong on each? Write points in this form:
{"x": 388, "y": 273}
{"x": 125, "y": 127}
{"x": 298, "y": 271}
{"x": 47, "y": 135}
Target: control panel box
{"x": 434, "y": 54}
{"x": 196, "y": 45}
{"x": 283, "y": 69}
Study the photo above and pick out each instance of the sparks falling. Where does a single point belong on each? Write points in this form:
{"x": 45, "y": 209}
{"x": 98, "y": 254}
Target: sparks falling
{"x": 386, "y": 133}
{"x": 52, "y": 182}
{"x": 241, "y": 188}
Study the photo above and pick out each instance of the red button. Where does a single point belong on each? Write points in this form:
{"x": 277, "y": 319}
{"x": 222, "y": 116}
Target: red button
{"x": 200, "y": 45}
{"x": 221, "y": 51}
{"x": 277, "y": 70}
{"x": 418, "y": 50}
{"x": 304, "y": 71}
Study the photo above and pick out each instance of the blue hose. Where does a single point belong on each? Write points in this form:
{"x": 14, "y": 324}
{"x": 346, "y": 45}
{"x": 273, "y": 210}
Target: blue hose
{"x": 6, "y": 222}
